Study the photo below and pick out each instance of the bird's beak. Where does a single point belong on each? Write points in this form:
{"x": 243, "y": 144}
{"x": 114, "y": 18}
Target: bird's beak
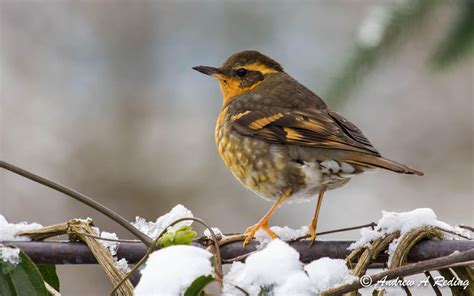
{"x": 211, "y": 71}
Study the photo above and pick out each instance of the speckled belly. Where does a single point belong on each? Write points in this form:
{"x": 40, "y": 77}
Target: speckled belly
{"x": 250, "y": 161}
{"x": 267, "y": 170}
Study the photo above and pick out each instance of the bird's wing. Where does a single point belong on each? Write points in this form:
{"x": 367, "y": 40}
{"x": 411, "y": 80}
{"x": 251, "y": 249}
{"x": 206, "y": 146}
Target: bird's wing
{"x": 312, "y": 127}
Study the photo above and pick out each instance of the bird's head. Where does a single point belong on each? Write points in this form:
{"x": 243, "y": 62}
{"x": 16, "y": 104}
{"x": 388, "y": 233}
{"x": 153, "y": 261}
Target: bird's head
{"x": 241, "y": 72}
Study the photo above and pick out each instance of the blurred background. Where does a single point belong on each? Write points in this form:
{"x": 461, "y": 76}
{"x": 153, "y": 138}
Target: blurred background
{"x": 100, "y": 96}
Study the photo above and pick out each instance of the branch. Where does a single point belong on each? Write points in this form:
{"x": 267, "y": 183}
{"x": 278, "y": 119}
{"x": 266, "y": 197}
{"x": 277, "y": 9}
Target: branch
{"x": 50, "y": 252}
{"x": 79, "y": 197}
{"x": 433, "y": 264}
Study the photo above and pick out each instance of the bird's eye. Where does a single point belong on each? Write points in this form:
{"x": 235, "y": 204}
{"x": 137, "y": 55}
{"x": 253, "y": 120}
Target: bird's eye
{"x": 241, "y": 72}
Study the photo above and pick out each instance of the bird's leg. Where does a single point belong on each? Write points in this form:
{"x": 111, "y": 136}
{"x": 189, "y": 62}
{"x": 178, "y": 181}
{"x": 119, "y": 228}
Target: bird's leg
{"x": 263, "y": 223}
{"x": 314, "y": 223}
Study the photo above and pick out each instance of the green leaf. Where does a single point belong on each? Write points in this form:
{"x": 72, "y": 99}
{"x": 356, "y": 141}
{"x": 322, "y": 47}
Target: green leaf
{"x": 6, "y": 286}
{"x": 24, "y": 279}
{"x": 198, "y": 285}
{"x": 48, "y": 271}
{"x": 166, "y": 239}
{"x": 182, "y": 236}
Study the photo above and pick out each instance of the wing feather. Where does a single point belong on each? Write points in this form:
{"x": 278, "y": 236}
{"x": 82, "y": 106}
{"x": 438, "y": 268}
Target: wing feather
{"x": 311, "y": 127}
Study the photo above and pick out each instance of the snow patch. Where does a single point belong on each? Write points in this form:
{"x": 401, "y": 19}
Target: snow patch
{"x": 122, "y": 265}
{"x": 284, "y": 233}
{"x": 276, "y": 267}
{"x": 10, "y": 255}
{"x": 403, "y": 222}
{"x": 391, "y": 250}
{"x": 153, "y": 229}
{"x": 216, "y": 230}
{"x": 8, "y": 231}
{"x": 170, "y": 271}
{"x": 112, "y": 246}
{"x": 297, "y": 283}
{"x": 326, "y": 273}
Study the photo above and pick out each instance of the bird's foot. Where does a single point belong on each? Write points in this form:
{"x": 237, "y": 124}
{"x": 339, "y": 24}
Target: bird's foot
{"x": 250, "y": 232}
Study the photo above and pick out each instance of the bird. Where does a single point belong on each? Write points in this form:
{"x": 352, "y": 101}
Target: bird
{"x": 282, "y": 141}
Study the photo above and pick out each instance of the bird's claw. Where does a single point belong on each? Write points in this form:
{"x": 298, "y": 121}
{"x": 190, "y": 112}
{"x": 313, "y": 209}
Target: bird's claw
{"x": 250, "y": 232}
{"x": 312, "y": 234}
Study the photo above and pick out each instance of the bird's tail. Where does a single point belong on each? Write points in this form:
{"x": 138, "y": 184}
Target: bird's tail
{"x": 380, "y": 162}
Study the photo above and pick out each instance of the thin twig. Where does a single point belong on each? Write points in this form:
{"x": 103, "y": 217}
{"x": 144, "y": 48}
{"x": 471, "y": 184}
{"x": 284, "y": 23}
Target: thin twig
{"x": 238, "y": 258}
{"x": 407, "y": 270}
{"x": 107, "y": 262}
{"x": 452, "y": 232}
{"x": 79, "y": 197}
{"x": 155, "y": 245}
{"x": 231, "y": 238}
{"x": 466, "y": 263}
{"x": 110, "y": 239}
{"x": 470, "y": 228}
{"x": 372, "y": 224}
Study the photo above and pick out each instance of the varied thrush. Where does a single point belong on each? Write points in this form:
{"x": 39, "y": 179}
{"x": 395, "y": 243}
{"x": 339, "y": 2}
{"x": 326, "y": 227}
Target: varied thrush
{"x": 282, "y": 141}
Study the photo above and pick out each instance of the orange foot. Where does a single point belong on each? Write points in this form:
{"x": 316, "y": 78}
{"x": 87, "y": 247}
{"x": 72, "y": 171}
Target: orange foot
{"x": 312, "y": 233}
{"x": 250, "y": 232}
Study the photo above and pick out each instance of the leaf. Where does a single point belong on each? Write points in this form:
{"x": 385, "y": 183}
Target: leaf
{"x": 48, "y": 271}
{"x": 182, "y": 236}
{"x": 24, "y": 279}
{"x": 166, "y": 239}
{"x": 198, "y": 285}
{"x": 6, "y": 287}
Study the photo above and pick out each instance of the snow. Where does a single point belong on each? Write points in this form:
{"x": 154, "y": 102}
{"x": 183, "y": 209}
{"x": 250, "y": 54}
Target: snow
{"x": 284, "y": 233}
{"x": 8, "y": 231}
{"x": 87, "y": 220}
{"x": 278, "y": 257}
{"x": 10, "y": 255}
{"x": 367, "y": 235}
{"x": 112, "y": 246}
{"x": 277, "y": 266}
{"x": 297, "y": 283}
{"x": 216, "y": 230}
{"x": 170, "y": 271}
{"x": 403, "y": 222}
{"x": 236, "y": 277}
{"x": 153, "y": 229}
{"x": 406, "y": 221}
{"x": 96, "y": 230}
{"x": 122, "y": 264}
{"x": 391, "y": 250}
{"x": 328, "y": 273}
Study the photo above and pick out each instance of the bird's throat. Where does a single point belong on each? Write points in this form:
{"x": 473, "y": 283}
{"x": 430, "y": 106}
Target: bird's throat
{"x": 232, "y": 88}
